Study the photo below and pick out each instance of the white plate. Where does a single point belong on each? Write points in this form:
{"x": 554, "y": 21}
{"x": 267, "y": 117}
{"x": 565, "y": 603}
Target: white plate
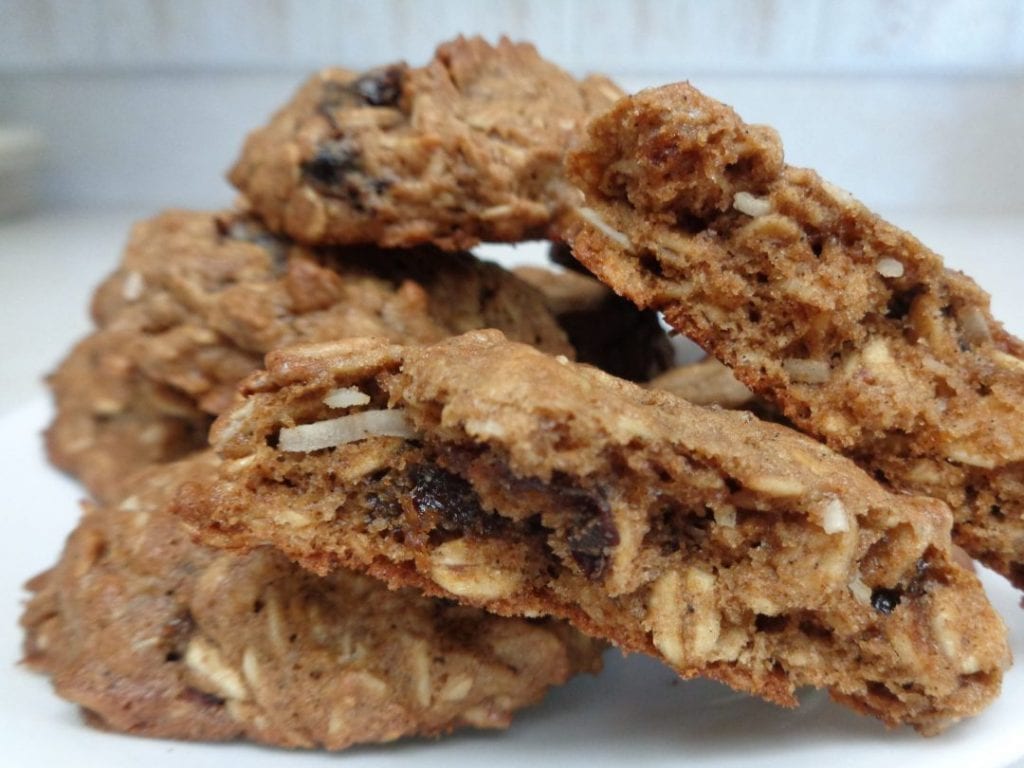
{"x": 636, "y": 711}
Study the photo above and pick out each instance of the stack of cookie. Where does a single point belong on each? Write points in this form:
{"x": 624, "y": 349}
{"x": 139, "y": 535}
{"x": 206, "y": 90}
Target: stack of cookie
{"x": 154, "y": 634}
{"x": 401, "y": 516}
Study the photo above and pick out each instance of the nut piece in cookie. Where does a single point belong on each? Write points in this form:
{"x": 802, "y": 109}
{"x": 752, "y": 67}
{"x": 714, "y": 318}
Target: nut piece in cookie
{"x": 464, "y": 149}
{"x": 154, "y": 635}
{"x": 489, "y": 473}
{"x": 200, "y": 297}
{"x": 852, "y": 328}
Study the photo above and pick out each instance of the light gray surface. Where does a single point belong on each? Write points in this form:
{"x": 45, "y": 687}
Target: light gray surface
{"x": 629, "y": 36}
{"x": 153, "y": 138}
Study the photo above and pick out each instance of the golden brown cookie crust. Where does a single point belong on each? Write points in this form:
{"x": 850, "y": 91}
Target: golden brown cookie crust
{"x": 200, "y": 297}
{"x": 154, "y": 635}
{"x": 851, "y": 327}
{"x": 466, "y": 148}
{"x": 528, "y": 485}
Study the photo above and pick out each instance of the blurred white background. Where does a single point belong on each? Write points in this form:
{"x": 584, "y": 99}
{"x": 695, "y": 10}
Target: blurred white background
{"x": 916, "y": 106}
{"x": 912, "y": 104}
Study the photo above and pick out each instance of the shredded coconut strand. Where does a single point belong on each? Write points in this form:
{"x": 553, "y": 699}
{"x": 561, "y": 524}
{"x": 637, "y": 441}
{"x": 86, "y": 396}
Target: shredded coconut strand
{"x": 744, "y": 202}
{"x": 345, "y": 429}
{"x": 860, "y": 590}
{"x": 592, "y": 216}
{"x": 345, "y": 397}
{"x": 887, "y": 267}
{"x": 834, "y": 518}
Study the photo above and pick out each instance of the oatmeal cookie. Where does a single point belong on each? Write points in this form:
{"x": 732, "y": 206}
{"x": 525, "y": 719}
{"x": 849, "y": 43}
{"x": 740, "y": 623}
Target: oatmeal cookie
{"x": 154, "y": 635}
{"x": 200, "y": 297}
{"x": 486, "y": 472}
{"x": 111, "y": 418}
{"x": 467, "y": 148}
{"x": 604, "y": 329}
{"x": 850, "y": 326}
{"x": 707, "y": 382}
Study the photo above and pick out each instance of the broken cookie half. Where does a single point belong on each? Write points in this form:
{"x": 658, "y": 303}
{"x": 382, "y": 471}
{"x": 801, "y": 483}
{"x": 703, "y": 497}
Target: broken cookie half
{"x": 483, "y": 471}
{"x": 154, "y": 635}
{"x": 851, "y": 327}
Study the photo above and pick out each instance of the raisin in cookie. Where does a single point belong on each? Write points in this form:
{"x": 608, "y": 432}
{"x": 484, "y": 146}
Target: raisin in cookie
{"x": 851, "y": 327}
{"x": 200, "y": 297}
{"x": 467, "y": 148}
{"x": 154, "y": 635}
{"x": 484, "y": 471}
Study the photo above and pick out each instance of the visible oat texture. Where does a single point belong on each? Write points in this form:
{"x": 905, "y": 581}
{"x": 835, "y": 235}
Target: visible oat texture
{"x": 156, "y": 636}
{"x": 200, "y": 297}
{"x": 851, "y": 327}
{"x": 487, "y": 472}
{"x": 604, "y": 329}
{"x": 466, "y": 148}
